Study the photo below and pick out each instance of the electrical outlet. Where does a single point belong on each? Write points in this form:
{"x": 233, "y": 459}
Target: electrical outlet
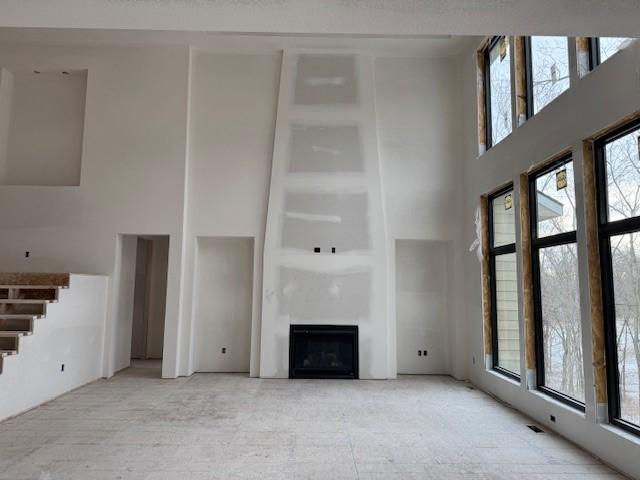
{"x": 224, "y": 349}
{"x": 419, "y": 353}
{"x": 26, "y": 254}
{"x": 62, "y": 367}
{"x": 424, "y": 353}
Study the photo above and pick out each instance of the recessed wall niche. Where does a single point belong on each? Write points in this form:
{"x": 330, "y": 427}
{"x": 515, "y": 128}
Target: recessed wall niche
{"x": 41, "y": 126}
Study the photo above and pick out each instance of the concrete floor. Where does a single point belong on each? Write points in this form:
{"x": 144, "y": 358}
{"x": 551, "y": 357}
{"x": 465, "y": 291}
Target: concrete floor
{"x": 219, "y": 426}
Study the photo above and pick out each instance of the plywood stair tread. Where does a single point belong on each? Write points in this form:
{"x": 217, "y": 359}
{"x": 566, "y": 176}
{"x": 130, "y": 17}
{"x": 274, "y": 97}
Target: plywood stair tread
{"x": 35, "y": 279}
{"x": 27, "y": 300}
{"x": 31, "y": 287}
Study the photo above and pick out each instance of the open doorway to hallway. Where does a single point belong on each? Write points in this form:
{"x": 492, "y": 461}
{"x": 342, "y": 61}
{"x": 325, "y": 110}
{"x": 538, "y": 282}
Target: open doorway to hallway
{"x": 149, "y": 298}
{"x": 142, "y": 296}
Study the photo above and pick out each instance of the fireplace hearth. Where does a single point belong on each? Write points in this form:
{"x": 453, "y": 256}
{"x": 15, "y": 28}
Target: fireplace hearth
{"x": 323, "y": 351}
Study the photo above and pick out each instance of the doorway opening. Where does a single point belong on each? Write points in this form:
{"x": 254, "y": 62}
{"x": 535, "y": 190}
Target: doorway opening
{"x": 142, "y": 298}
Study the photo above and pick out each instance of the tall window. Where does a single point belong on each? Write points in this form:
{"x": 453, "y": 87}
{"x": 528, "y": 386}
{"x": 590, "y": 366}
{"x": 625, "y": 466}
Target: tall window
{"x": 498, "y": 90}
{"x": 602, "y": 48}
{"x": 547, "y": 70}
{"x": 504, "y": 288}
{"x": 618, "y": 172}
{"x": 555, "y": 283}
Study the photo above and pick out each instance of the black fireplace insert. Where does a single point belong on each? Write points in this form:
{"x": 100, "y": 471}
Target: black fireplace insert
{"x": 323, "y": 351}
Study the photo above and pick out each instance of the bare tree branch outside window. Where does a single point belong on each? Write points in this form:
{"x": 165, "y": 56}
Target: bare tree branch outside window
{"x": 623, "y": 197}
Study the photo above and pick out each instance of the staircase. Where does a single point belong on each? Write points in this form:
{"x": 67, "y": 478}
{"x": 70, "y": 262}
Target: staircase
{"x": 23, "y": 299}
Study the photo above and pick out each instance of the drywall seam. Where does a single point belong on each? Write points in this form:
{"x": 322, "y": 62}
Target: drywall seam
{"x": 6, "y": 100}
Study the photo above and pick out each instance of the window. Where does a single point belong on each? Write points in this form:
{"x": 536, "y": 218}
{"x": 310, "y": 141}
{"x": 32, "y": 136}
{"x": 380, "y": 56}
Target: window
{"x": 603, "y": 48}
{"x": 504, "y": 288}
{"x": 618, "y": 180}
{"x": 555, "y": 283}
{"x": 498, "y": 90}
{"x": 547, "y": 70}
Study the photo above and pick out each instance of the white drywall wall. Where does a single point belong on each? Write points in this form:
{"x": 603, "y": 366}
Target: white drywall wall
{"x": 423, "y": 301}
{"x": 223, "y": 304}
{"x": 45, "y": 134}
{"x": 325, "y": 91}
{"x": 6, "y": 97}
{"x": 419, "y": 136}
{"x": 602, "y": 98}
{"x": 134, "y": 165}
{"x": 132, "y": 178}
{"x": 232, "y": 121}
{"x": 71, "y": 334}
{"x": 125, "y": 279}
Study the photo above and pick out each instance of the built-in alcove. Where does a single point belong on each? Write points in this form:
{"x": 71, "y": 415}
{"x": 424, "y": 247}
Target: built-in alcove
{"x": 41, "y": 126}
{"x": 423, "y": 294}
{"x": 223, "y": 304}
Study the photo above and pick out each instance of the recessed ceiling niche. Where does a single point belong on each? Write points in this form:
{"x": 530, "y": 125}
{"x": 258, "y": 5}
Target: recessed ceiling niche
{"x": 41, "y": 126}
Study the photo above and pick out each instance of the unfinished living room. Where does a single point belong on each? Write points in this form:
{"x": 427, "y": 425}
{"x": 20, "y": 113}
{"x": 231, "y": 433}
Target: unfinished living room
{"x": 319, "y": 239}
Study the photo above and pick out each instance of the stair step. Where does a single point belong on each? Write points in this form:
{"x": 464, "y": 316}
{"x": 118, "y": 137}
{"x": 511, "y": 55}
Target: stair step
{"x": 31, "y": 287}
{"x": 19, "y": 316}
{"x": 35, "y": 279}
{"x": 9, "y": 342}
{"x": 27, "y": 307}
{"x": 16, "y": 324}
{"x": 19, "y": 293}
{"x": 26, "y": 300}
{"x": 16, "y": 333}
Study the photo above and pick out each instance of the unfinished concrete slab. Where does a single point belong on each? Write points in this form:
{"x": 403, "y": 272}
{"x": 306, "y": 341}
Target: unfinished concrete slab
{"x": 228, "y": 426}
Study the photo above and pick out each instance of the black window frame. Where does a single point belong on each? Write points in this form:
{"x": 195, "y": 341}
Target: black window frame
{"x": 528, "y": 75}
{"x": 564, "y": 238}
{"x": 606, "y": 230}
{"x": 487, "y": 90}
{"x": 493, "y": 253}
{"x": 594, "y": 52}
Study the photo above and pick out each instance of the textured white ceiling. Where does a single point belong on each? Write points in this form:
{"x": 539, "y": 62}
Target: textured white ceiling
{"x": 361, "y": 17}
{"x": 429, "y": 47}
